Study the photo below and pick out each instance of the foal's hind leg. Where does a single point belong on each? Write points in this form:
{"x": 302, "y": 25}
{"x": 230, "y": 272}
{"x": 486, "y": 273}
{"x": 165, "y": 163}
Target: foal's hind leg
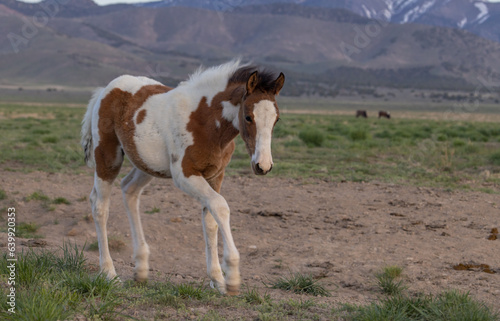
{"x": 99, "y": 199}
{"x": 132, "y": 187}
{"x": 210, "y": 229}
{"x": 109, "y": 159}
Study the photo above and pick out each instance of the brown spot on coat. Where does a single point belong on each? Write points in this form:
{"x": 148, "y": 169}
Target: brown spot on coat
{"x": 116, "y": 123}
{"x": 212, "y": 146}
{"x": 140, "y": 116}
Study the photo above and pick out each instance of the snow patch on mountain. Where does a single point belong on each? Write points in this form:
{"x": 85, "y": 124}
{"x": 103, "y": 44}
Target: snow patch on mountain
{"x": 483, "y": 12}
{"x": 462, "y": 23}
{"x": 416, "y": 12}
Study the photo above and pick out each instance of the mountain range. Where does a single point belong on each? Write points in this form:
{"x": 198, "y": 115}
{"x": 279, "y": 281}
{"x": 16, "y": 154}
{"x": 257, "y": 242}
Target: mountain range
{"x": 320, "y": 45}
{"x": 479, "y": 17}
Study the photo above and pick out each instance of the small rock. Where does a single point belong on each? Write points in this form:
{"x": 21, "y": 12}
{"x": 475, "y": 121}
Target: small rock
{"x": 73, "y": 232}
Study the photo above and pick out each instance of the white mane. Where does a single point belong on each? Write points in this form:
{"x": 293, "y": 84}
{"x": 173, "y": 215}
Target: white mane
{"x": 213, "y": 77}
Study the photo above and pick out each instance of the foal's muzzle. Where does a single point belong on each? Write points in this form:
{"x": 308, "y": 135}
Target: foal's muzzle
{"x": 257, "y": 169}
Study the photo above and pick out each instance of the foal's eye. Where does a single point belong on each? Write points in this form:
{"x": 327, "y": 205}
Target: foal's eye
{"x": 248, "y": 119}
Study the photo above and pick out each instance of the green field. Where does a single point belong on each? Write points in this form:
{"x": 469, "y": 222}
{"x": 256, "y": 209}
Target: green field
{"x": 423, "y": 152}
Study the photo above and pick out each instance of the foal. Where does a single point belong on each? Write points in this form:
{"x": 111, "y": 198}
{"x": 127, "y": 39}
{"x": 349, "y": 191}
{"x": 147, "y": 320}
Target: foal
{"x": 185, "y": 134}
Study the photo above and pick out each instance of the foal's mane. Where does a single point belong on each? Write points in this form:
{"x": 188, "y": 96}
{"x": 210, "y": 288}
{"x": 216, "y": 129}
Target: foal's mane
{"x": 232, "y": 72}
{"x": 266, "y": 77}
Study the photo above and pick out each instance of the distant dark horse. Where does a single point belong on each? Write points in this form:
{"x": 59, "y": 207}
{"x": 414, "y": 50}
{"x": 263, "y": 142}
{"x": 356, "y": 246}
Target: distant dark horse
{"x": 385, "y": 114}
{"x": 361, "y": 113}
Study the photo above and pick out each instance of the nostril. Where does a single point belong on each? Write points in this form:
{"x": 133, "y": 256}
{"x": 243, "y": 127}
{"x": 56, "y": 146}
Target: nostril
{"x": 259, "y": 169}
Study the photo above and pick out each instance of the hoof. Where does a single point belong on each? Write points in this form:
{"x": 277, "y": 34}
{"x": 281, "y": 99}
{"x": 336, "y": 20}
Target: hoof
{"x": 140, "y": 279}
{"x": 218, "y": 287}
{"x": 233, "y": 289}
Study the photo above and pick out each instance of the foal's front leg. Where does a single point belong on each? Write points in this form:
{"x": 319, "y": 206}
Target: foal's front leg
{"x": 210, "y": 229}
{"x": 214, "y": 269}
{"x": 200, "y": 189}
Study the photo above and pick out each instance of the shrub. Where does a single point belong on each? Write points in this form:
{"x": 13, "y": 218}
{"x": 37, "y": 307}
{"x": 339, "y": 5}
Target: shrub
{"x": 358, "y": 134}
{"x": 312, "y": 137}
{"x": 495, "y": 158}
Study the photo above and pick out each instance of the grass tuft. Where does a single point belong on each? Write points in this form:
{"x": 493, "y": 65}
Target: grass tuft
{"x": 153, "y": 210}
{"x": 386, "y": 280}
{"x": 61, "y": 200}
{"x": 72, "y": 258}
{"x": 253, "y": 297}
{"x": 37, "y": 196}
{"x": 28, "y": 230}
{"x": 300, "y": 284}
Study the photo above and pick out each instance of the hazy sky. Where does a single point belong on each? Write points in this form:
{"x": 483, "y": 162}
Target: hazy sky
{"x": 104, "y": 2}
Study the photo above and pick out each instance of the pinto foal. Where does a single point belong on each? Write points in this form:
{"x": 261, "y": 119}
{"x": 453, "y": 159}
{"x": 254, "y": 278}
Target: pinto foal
{"x": 186, "y": 134}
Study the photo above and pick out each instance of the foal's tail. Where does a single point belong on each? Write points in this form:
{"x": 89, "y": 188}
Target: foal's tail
{"x": 86, "y": 141}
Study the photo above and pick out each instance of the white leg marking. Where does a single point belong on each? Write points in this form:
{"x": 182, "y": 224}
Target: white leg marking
{"x": 132, "y": 186}
{"x": 199, "y": 188}
{"x": 214, "y": 270}
{"x": 99, "y": 199}
{"x": 265, "y": 117}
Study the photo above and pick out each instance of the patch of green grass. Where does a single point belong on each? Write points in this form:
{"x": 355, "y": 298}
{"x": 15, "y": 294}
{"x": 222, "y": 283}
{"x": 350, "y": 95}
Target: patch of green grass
{"x": 87, "y": 284}
{"x": 312, "y": 136}
{"x": 50, "y": 140}
{"x": 301, "y": 284}
{"x": 72, "y": 258}
{"x": 359, "y": 134}
{"x": 495, "y": 158}
{"x": 37, "y": 196}
{"x": 94, "y": 246}
{"x": 450, "y": 305}
{"x": 41, "y": 144}
{"x": 253, "y": 297}
{"x": 57, "y": 285}
{"x": 42, "y": 303}
{"x": 153, "y": 210}
{"x": 3, "y": 195}
{"x": 386, "y": 280}
{"x": 28, "y": 230}
{"x": 61, "y": 200}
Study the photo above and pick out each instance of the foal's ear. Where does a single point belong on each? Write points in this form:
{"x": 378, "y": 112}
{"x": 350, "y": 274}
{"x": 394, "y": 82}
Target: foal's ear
{"x": 252, "y": 82}
{"x": 278, "y": 83}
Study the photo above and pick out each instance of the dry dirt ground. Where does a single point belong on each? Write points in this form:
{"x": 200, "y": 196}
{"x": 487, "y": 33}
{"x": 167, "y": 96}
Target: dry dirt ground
{"x": 340, "y": 232}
